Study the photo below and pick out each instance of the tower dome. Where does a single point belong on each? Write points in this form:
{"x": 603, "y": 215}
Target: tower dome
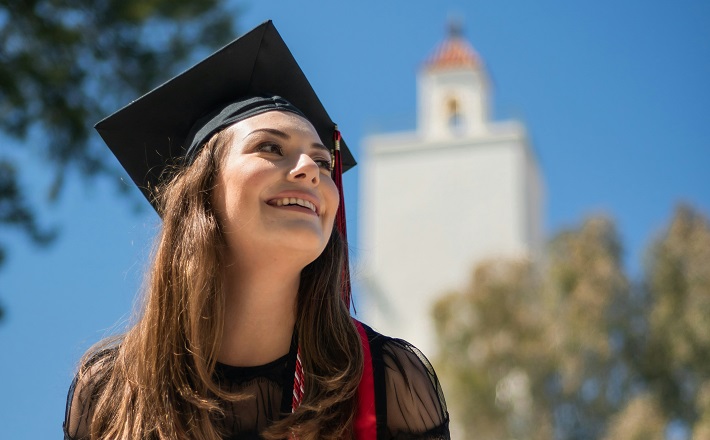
{"x": 454, "y": 52}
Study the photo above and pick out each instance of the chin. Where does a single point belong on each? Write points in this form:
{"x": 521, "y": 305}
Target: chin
{"x": 309, "y": 246}
{"x": 310, "y": 252}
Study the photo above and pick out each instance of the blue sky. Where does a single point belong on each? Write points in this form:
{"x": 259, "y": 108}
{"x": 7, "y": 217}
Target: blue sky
{"x": 614, "y": 95}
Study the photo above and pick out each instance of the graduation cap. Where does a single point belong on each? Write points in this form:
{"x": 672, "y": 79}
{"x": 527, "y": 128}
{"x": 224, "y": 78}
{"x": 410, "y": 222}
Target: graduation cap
{"x": 171, "y": 123}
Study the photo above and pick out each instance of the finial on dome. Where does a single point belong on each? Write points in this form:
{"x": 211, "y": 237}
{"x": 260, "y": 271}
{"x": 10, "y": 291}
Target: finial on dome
{"x": 455, "y": 26}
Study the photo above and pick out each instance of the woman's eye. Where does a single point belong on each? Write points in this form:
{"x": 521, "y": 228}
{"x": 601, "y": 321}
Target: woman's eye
{"x": 323, "y": 163}
{"x": 270, "y": 148}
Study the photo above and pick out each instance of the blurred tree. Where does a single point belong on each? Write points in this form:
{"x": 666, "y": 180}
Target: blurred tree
{"x": 674, "y": 357}
{"x": 493, "y": 354}
{"x": 580, "y": 353}
{"x": 66, "y": 63}
{"x": 586, "y": 293}
{"x": 527, "y": 357}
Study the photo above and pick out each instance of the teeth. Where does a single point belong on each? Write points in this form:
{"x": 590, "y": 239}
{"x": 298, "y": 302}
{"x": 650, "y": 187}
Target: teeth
{"x": 295, "y": 201}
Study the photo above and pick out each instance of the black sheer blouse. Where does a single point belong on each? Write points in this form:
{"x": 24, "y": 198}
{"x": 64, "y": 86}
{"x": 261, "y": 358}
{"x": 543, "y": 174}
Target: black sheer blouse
{"x": 409, "y": 401}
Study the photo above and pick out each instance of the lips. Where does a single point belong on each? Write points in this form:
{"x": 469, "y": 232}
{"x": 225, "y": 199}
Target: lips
{"x": 286, "y": 201}
{"x": 293, "y": 200}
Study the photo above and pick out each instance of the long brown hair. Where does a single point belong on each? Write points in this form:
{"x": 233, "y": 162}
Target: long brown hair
{"x": 158, "y": 382}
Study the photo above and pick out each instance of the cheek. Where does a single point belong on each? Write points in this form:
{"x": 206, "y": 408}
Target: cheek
{"x": 237, "y": 190}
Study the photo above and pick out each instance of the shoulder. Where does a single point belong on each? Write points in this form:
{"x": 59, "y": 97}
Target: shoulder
{"x": 408, "y": 389}
{"x": 84, "y": 392}
{"x": 403, "y": 363}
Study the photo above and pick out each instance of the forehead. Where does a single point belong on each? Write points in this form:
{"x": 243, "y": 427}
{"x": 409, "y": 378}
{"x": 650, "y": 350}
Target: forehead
{"x": 286, "y": 122}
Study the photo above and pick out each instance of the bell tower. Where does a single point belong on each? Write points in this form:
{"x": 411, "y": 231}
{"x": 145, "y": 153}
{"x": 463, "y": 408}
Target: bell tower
{"x": 438, "y": 200}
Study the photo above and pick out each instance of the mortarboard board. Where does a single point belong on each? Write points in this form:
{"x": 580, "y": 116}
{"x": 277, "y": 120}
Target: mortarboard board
{"x": 151, "y": 132}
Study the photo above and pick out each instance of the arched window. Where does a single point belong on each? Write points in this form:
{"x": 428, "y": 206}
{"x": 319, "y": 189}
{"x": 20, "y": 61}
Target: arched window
{"x": 454, "y": 118}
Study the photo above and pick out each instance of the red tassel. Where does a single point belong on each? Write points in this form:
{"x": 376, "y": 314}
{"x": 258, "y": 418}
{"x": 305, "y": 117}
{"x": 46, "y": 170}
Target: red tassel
{"x": 340, "y": 216}
{"x": 299, "y": 385}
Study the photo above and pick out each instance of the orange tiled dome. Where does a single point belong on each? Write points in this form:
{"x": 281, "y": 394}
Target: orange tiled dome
{"x": 454, "y": 52}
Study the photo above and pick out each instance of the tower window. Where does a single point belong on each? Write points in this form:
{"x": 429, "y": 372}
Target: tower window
{"x": 454, "y": 118}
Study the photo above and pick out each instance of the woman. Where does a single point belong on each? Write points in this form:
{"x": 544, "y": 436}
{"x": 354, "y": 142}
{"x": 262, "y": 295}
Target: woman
{"x": 244, "y": 333}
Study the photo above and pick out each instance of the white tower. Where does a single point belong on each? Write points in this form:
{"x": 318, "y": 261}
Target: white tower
{"x": 436, "y": 201}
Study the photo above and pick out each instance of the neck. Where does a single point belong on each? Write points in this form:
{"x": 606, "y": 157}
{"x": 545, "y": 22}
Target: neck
{"x": 260, "y": 313}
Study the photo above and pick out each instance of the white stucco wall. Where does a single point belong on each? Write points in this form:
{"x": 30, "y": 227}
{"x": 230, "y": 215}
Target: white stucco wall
{"x": 429, "y": 212}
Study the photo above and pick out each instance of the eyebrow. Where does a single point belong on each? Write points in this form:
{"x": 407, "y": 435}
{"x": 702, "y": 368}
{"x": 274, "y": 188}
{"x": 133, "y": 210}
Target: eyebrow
{"x": 284, "y": 135}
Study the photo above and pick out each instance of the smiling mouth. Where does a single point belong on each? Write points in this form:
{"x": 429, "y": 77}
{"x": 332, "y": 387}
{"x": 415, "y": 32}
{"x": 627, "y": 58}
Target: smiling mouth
{"x": 294, "y": 201}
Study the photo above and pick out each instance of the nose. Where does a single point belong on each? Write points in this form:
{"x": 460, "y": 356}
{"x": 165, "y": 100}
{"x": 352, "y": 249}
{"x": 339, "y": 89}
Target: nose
{"x": 305, "y": 170}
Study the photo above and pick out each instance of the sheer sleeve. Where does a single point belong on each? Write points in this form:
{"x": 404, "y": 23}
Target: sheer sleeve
{"x": 83, "y": 393}
{"x": 416, "y": 408}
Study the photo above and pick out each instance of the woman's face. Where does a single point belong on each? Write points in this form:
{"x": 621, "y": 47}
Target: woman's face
{"x": 274, "y": 191}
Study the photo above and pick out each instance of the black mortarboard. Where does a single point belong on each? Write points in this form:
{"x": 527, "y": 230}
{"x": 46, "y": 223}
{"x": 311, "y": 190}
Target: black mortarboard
{"x": 159, "y": 128}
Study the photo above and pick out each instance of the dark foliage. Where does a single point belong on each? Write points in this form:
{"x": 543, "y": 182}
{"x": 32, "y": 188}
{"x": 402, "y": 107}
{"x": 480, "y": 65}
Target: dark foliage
{"x": 66, "y": 63}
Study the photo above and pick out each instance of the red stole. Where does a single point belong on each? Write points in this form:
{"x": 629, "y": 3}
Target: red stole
{"x": 365, "y": 424}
